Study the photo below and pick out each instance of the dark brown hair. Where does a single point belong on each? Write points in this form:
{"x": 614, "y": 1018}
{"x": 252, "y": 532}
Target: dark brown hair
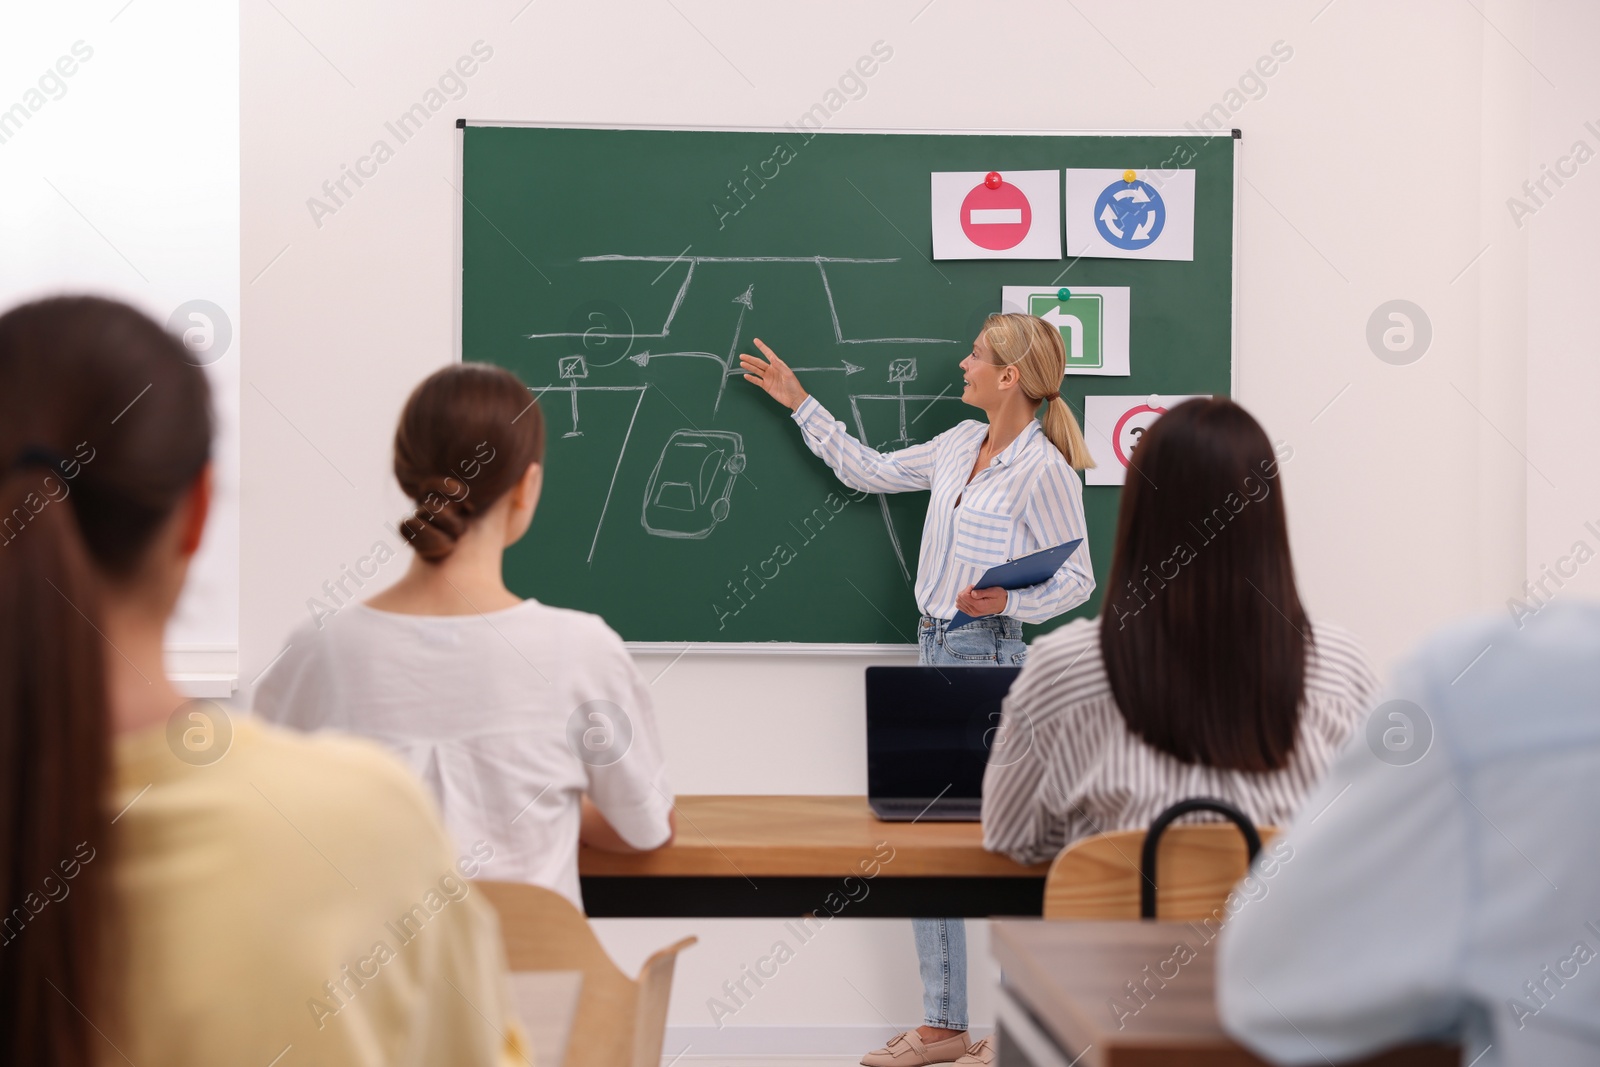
{"x": 104, "y": 427}
{"x": 466, "y": 437}
{"x": 1203, "y": 635}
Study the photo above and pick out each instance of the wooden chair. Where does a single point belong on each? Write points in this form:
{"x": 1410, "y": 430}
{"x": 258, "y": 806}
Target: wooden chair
{"x": 621, "y": 1021}
{"x": 1192, "y": 868}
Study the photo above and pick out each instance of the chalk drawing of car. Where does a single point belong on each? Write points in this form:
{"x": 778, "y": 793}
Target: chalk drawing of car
{"x": 689, "y": 491}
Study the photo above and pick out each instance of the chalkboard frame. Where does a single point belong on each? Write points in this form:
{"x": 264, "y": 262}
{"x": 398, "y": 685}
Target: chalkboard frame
{"x": 809, "y": 648}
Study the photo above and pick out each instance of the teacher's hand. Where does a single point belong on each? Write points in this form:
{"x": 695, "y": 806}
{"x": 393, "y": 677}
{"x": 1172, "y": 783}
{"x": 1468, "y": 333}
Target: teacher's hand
{"x": 773, "y": 375}
{"x": 981, "y": 602}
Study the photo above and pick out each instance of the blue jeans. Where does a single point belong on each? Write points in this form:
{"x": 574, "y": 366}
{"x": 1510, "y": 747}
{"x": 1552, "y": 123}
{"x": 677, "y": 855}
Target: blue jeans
{"x": 994, "y": 641}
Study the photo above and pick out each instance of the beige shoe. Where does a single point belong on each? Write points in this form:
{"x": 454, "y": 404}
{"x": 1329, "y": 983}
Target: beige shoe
{"x": 909, "y": 1050}
{"x": 981, "y": 1053}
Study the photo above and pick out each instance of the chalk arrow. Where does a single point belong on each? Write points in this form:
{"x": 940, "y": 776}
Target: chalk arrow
{"x": 747, "y": 298}
{"x": 848, "y": 368}
{"x": 644, "y": 358}
{"x": 687, "y": 355}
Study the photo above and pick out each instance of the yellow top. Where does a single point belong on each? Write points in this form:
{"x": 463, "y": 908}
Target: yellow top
{"x": 296, "y": 902}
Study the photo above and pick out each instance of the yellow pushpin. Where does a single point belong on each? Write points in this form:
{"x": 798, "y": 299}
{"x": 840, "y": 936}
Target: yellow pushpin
{"x": 1129, "y": 176}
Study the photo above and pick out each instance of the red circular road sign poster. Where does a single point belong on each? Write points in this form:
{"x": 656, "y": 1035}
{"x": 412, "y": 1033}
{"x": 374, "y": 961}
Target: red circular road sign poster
{"x": 1134, "y": 422}
{"x": 996, "y": 219}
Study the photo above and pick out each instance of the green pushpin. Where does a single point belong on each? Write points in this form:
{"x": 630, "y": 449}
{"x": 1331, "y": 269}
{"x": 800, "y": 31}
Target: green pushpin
{"x": 1063, "y": 295}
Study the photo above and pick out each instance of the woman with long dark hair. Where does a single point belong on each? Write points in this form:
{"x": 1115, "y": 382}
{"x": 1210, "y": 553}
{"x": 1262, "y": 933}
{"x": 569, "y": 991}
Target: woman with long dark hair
{"x": 1202, "y": 676}
{"x": 180, "y": 887}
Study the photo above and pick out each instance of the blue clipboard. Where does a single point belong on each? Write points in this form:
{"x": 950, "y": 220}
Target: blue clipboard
{"x": 1021, "y": 573}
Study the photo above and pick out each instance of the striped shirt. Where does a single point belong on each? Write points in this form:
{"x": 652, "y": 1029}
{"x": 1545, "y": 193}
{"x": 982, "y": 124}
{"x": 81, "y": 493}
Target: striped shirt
{"x": 1083, "y": 772}
{"x": 1028, "y": 499}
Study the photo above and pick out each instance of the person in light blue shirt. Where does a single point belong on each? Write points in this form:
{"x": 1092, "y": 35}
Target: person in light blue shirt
{"x": 998, "y": 489}
{"x": 1445, "y": 879}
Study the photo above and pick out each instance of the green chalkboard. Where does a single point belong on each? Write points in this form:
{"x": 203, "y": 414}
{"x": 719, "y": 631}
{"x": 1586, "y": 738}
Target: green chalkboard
{"x": 619, "y": 272}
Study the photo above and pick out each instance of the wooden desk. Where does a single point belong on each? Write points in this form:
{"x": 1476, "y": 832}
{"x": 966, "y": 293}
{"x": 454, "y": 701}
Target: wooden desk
{"x": 1061, "y": 978}
{"x": 787, "y": 856}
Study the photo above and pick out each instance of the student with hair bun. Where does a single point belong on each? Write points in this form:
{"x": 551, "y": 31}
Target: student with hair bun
{"x": 162, "y": 903}
{"x": 530, "y": 724}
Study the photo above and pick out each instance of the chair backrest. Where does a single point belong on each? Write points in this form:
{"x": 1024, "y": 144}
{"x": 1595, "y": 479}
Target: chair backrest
{"x": 1148, "y": 855}
{"x": 1098, "y": 877}
{"x": 621, "y": 1021}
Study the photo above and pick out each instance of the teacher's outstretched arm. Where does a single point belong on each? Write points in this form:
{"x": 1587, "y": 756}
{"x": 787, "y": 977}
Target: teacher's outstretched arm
{"x": 855, "y": 464}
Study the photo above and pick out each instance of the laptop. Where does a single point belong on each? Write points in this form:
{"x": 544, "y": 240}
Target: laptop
{"x": 928, "y": 736}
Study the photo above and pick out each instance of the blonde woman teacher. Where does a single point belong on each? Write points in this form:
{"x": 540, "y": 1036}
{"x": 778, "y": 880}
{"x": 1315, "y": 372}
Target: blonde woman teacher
{"x": 1001, "y": 487}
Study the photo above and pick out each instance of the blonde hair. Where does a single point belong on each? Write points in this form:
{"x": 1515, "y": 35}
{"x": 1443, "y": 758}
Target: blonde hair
{"x": 1034, "y": 347}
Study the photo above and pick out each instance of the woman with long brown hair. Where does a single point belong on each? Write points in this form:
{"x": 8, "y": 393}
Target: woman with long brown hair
{"x": 1202, "y": 676}
{"x": 181, "y": 887}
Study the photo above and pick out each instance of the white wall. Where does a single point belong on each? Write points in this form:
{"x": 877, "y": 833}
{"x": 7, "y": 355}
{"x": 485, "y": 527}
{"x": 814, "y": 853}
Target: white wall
{"x": 1374, "y": 167}
{"x": 119, "y": 175}
{"x": 1563, "y": 437}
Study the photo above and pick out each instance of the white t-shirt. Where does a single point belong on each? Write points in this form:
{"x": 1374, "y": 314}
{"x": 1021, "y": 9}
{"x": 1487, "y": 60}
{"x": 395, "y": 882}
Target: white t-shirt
{"x": 510, "y": 717}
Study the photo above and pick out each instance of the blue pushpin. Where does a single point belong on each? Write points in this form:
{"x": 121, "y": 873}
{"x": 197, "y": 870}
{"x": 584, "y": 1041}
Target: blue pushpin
{"x": 1063, "y": 295}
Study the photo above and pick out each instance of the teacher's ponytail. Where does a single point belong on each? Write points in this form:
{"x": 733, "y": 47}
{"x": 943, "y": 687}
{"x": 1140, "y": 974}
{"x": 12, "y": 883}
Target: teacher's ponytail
{"x": 1061, "y": 428}
{"x": 1034, "y": 347}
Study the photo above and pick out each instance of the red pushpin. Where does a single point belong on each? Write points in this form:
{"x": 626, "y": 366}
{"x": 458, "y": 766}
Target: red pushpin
{"x": 992, "y": 179}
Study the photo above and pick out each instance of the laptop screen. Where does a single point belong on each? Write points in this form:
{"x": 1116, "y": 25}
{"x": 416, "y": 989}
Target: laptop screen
{"x": 929, "y": 729}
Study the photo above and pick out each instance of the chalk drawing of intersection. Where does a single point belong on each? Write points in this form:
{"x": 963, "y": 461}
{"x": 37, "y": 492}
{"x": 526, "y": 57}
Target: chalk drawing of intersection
{"x": 679, "y": 503}
{"x": 821, "y": 263}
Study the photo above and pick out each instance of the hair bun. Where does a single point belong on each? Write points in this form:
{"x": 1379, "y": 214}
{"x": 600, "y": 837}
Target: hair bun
{"x": 466, "y": 438}
{"x": 442, "y": 515}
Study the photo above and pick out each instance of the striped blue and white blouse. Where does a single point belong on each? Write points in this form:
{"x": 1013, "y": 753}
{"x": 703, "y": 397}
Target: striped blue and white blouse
{"x": 1028, "y": 499}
